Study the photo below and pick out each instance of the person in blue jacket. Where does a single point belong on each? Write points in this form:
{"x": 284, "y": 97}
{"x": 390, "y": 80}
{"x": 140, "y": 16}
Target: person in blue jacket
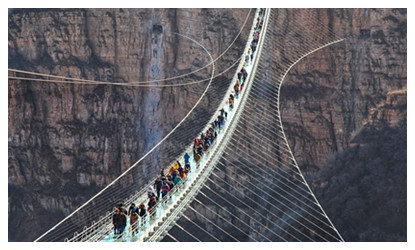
{"x": 186, "y": 158}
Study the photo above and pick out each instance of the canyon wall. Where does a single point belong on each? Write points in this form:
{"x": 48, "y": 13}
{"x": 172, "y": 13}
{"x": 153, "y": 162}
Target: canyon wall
{"x": 335, "y": 104}
{"x": 328, "y": 95}
{"x": 364, "y": 187}
{"x": 67, "y": 141}
{"x": 344, "y": 114}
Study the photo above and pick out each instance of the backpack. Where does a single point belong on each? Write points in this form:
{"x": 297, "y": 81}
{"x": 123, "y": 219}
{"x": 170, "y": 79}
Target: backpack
{"x": 177, "y": 180}
{"x": 165, "y": 189}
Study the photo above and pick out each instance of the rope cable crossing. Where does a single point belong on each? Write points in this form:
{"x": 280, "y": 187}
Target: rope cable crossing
{"x": 317, "y": 222}
{"x": 199, "y": 99}
{"x": 138, "y": 84}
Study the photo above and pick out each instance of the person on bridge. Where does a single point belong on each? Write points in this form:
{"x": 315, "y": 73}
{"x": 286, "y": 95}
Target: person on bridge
{"x": 150, "y": 193}
{"x": 114, "y": 219}
{"x": 162, "y": 172}
{"x": 142, "y": 213}
{"x": 197, "y": 157}
{"x": 231, "y": 103}
{"x": 206, "y": 147}
{"x": 171, "y": 170}
{"x": 174, "y": 174}
{"x": 187, "y": 168}
{"x": 199, "y": 149}
{"x": 219, "y": 121}
{"x": 171, "y": 184}
{"x": 186, "y": 158}
{"x": 197, "y": 141}
{"x": 207, "y": 138}
{"x": 244, "y": 75}
{"x": 132, "y": 209}
{"x": 151, "y": 205}
{"x": 236, "y": 88}
{"x": 213, "y": 125}
{"x": 177, "y": 180}
{"x": 134, "y": 222}
{"x": 182, "y": 172}
{"x": 121, "y": 222}
{"x": 253, "y": 47}
{"x": 256, "y": 36}
{"x": 174, "y": 167}
{"x": 157, "y": 186}
{"x": 223, "y": 112}
{"x": 212, "y": 134}
{"x": 122, "y": 208}
{"x": 165, "y": 188}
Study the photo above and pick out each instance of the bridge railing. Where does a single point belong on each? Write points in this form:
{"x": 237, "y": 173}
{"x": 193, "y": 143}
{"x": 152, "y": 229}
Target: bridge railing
{"x": 104, "y": 224}
{"x": 191, "y": 192}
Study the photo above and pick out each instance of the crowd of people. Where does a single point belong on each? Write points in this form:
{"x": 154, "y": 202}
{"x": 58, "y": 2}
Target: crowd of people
{"x": 178, "y": 173}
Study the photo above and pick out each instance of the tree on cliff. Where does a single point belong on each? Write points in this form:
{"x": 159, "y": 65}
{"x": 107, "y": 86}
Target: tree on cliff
{"x": 363, "y": 189}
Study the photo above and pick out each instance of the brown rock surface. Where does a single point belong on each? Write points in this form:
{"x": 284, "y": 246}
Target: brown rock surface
{"x": 328, "y": 95}
{"x": 364, "y": 188}
{"x": 325, "y": 101}
{"x": 344, "y": 113}
{"x": 67, "y": 141}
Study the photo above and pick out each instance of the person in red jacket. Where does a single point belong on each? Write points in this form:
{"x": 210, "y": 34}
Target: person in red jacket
{"x": 165, "y": 188}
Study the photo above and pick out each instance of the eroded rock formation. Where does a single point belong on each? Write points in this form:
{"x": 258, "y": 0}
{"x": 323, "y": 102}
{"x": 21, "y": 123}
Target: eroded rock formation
{"x": 344, "y": 113}
{"x": 67, "y": 141}
{"x": 328, "y": 95}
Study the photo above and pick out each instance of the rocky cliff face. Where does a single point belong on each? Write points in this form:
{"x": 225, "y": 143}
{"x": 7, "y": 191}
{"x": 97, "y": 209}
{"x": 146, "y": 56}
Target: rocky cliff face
{"x": 67, "y": 141}
{"x": 344, "y": 114}
{"x": 343, "y": 110}
{"x": 364, "y": 188}
{"x": 75, "y": 138}
{"x": 328, "y": 95}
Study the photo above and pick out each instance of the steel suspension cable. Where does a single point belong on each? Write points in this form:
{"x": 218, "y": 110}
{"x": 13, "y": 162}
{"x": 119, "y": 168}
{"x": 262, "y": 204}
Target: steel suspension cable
{"x": 213, "y": 181}
{"x": 195, "y": 199}
{"x": 259, "y": 162}
{"x": 171, "y": 236}
{"x": 197, "y": 239}
{"x": 224, "y": 209}
{"x": 158, "y": 80}
{"x": 185, "y": 216}
{"x": 151, "y": 150}
{"x": 194, "y": 210}
{"x": 295, "y": 212}
{"x": 260, "y": 169}
{"x": 207, "y": 187}
{"x": 275, "y": 192}
{"x": 279, "y": 209}
{"x": 251, "y": 208}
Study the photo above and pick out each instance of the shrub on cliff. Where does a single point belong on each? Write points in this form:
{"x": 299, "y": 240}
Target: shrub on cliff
{"x": 363, "y": 189}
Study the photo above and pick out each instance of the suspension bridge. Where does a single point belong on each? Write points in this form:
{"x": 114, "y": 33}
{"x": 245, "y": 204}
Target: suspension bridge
{"x": 248, "y": 185}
